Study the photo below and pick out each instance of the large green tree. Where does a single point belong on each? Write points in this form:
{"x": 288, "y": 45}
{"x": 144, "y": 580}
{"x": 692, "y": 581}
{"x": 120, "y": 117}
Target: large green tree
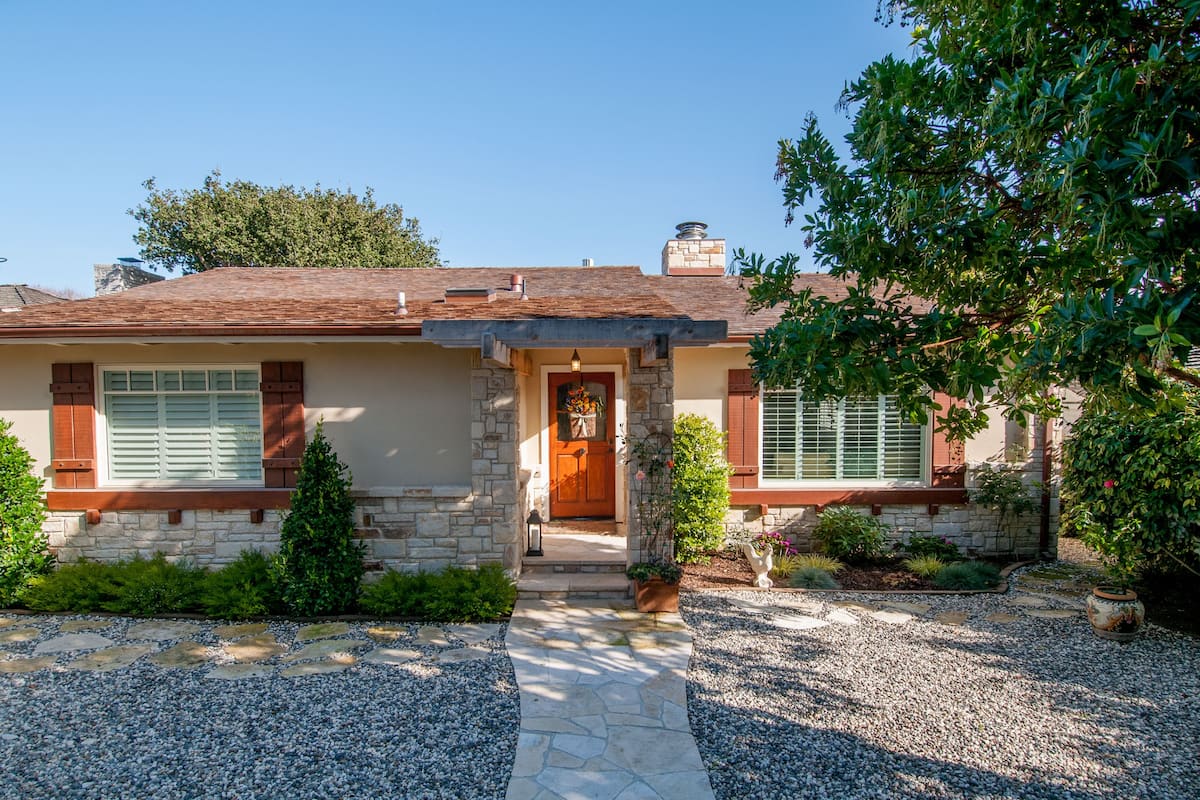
{"x": 242, "y": 224}
{"x": 1019, "y": 209}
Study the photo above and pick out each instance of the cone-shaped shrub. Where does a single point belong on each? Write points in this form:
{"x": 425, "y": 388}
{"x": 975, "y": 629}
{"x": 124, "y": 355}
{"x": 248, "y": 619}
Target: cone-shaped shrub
{"x": 319, "y": 566}
{"x": 23, "y": 553}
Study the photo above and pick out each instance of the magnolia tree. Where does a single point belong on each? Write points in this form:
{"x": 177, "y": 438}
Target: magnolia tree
{"x": 1019, "y": 211}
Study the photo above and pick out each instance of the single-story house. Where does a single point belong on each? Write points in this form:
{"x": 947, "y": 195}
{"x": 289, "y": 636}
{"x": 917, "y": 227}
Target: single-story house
{"x": 171, "y": 417}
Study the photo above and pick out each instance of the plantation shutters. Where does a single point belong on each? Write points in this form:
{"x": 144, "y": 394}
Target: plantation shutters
{"x": 283, "y": 422}
{"x": 74, "y": 421}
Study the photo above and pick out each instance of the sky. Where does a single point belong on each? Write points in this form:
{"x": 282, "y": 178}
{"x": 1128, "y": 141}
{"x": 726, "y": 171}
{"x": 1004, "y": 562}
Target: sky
{"x": 519, "y": 134}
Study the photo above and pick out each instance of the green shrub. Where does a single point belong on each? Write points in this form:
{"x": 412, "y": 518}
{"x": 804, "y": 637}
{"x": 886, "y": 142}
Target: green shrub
{"x": 1003, "y": 491}
{"x": 699, "y": 488}
{"x": 453, "y": 595}
{"x": 924, "y": 566}
{"x": 319, "y": 567}
{"x": 789, "y": 563}
{"x": 23, "y": 553}
{"x": 241, "y": 589}
{"x": 145, "y": 587}
{"x": 967, "y": 575}
{"x": 82, "y": 587}
{"x": 812, "y": 578}
{"x": 845, "y": 534}
{"x": 1131, "y": 479}
{"x": 937, "y": 546}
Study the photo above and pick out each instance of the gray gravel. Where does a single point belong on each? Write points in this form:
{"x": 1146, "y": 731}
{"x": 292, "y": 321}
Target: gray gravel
{"x": 419, "y": 730}
{"x": 1036, "y": 708}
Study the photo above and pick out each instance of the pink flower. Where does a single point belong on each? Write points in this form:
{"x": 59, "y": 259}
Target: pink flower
{"x": 641, "y": 475}
{"x": 1109, "y": 484}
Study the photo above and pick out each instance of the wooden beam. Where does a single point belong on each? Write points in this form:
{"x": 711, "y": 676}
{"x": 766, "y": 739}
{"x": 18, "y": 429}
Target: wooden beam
{"x": 656, "y": 351}
{"x": 495, "y": 352}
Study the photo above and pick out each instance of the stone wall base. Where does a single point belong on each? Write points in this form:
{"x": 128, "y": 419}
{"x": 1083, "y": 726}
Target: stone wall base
{"x": 407, "y": 529}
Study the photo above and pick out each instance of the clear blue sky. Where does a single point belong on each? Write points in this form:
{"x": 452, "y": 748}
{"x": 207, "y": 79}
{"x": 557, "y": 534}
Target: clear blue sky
{"x": 517, "y": 133}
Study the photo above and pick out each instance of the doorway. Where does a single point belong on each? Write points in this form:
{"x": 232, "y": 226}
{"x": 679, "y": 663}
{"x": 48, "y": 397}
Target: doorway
{"x": 582, "y": 435}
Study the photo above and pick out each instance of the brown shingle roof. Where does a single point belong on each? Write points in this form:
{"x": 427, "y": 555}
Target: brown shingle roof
{"x": 282, "y": 301}
{"x": 18, "y": 295}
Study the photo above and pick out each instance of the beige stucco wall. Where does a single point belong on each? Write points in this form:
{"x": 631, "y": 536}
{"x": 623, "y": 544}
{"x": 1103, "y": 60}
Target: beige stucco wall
{"x": 702, "y": 379}
{"x": 397, "y": 414}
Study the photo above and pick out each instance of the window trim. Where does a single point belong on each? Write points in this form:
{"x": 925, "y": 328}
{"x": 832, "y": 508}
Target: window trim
{"x": 103, "y": 468}
{"x": 818, "y": 484}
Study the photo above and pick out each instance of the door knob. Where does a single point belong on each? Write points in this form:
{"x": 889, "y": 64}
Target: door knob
{"x": 581, "y": 452}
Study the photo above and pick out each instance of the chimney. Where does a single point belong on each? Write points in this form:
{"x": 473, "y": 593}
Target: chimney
{"x": 692, "y": 253}
{"x": 112, "y": 278}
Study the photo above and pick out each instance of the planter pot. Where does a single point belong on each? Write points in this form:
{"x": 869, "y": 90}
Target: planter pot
{"x": 656, "y": 595}
{"x": 583, "y": 426}
{"x": 1115, "y": 613}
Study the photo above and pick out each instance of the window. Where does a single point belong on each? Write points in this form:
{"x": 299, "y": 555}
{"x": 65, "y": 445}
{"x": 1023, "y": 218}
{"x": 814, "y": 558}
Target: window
{"x": 863, "y": 439}
{"x": 183, "y": 425}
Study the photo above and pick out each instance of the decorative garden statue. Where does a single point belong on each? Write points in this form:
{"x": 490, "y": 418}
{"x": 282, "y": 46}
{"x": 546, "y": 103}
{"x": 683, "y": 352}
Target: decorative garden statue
{"x": 761, "y": 564}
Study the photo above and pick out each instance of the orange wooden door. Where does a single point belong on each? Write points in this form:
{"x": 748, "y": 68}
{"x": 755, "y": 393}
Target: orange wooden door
{"x": 582, "y": 447}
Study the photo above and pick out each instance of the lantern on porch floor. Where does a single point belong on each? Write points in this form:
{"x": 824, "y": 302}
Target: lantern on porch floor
{"x": 533, "y": 534}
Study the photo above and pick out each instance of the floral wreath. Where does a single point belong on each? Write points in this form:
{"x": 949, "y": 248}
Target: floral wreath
{"x": 581, "y": 401}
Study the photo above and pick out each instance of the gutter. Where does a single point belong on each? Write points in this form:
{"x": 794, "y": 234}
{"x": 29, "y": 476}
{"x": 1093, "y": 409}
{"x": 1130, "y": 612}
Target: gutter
{"x": 215, "y": 331}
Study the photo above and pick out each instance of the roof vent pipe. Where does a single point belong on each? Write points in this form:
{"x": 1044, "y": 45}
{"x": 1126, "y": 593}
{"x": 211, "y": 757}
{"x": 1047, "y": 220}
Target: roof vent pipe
{"x": 587, "y": 262}
{"x": 515, "y": 281}
{"x": 691, "y": 230}
{"x": 401, "y": 304}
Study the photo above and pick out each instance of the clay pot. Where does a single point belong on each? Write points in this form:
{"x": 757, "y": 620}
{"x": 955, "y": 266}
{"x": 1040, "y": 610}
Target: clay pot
{"x": 1115, "y": 613}
{"x": 656, "y": 595}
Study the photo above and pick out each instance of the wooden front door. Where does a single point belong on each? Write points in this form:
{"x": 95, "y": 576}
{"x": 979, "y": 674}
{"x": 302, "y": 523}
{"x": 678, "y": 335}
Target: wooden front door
{"x": 582, "y": 446}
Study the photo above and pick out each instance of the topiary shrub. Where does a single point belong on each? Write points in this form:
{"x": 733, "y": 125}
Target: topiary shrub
{"x": 967, "y": 575}
{"x": 1131, "y": 483}
{"x": 23, "y": 553}
{"x": 700, "y": 488}
{"x": 319, "y": 566}
{"x": 241, "y": 589}
{"x": 812, "y": 578}
{"x": 845, "y": 534}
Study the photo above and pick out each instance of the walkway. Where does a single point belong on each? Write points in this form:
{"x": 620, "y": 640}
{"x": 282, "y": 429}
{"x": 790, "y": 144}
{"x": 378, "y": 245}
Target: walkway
{"x": 603, "y": 704}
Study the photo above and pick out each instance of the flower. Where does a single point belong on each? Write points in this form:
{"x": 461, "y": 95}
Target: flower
{"x": 641, "y": 475}
{"x": 670, "y": 463}
{"x": 581, "y": 401}
{"x": 1110, "y": 483}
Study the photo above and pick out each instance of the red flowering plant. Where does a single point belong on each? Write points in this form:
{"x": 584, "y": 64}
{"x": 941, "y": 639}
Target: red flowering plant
{"x": 776, "y": 542}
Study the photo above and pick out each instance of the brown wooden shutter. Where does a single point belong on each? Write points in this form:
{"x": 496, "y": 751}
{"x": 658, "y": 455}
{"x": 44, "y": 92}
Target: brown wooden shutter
{"x": 949, "y": 462}
{"x": 74, "y": 420}
{"x": 742, "y": 428}
{"x": 283, "y": 422}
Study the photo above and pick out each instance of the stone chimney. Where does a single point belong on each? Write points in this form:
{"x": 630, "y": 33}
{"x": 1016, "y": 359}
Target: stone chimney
{"x": 112, "y": 278}
{"x": 692, "y": 253}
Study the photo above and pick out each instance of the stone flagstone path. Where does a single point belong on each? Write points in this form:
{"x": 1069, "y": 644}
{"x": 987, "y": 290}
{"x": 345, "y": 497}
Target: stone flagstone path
{"x": 603, "y": 704}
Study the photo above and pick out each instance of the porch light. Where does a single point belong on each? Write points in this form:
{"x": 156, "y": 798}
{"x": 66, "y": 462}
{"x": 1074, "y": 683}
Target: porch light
{"x": 533, "y": 534}
{"x": 576, "y": 362}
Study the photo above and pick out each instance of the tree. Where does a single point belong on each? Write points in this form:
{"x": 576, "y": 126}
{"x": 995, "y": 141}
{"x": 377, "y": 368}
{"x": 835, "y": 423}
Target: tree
{"x": 23, "y": 553}
{"x": 319, "y": 566}
{"x": 242, "y": 224}
{"x": 1019, "y": 210}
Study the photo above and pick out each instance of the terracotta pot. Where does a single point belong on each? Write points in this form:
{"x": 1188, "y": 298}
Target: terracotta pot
{"x": 656, "y": 595}
{"x": 1115, "y": 613}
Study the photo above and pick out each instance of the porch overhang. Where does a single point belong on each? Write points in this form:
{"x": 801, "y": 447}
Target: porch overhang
{"x": 653, "y": 333}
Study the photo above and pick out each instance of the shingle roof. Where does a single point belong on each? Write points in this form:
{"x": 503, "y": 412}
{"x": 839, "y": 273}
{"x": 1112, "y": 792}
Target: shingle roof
{"x": 18, "y": 295}
{"x": 283, "y": 301}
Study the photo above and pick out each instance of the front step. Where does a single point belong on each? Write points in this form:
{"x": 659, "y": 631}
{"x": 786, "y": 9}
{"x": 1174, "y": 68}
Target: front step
{"x": 573, "y": 585}
{"x": 550, "y": 566}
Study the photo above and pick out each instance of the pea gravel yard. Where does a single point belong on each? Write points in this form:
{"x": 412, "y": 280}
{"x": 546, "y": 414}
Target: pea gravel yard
{"x": 981, "y": 696}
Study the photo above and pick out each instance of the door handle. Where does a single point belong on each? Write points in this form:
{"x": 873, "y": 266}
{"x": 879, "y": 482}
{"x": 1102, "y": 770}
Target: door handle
{"x": 581, "y": 452}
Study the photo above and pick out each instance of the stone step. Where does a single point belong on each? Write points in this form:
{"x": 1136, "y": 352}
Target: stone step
{"x": 549, "y": 566}
{"x": 573, "y": 585}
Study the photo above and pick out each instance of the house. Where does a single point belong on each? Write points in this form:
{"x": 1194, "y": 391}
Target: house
{"x": 172, "y": 416}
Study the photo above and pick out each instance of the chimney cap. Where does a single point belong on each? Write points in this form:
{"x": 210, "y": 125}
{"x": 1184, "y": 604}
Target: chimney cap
{"x": 691, "y": 230}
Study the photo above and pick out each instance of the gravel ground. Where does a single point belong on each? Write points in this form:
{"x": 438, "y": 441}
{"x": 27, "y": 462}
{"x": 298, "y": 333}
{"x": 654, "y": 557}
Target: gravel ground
{"x": 1035, "y": 708}
{"x": 418, "y": 730}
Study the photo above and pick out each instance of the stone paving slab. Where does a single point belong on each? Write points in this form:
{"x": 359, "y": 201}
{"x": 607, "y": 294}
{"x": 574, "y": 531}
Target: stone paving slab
{"x": 111, "y": 658}
{"x": 603, "y": 704}
{"x": 163, "y": 630}
{"x": 71, "y": 642}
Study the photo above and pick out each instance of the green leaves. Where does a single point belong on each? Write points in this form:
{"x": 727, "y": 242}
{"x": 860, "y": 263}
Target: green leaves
{"x": 1015, "y": 209}
{"x": 23, "y": 545}
{"x": 242, "y": 224}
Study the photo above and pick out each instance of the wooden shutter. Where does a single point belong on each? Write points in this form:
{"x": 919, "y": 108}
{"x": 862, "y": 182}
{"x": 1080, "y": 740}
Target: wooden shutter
{"x": 74, "y": 420}
{"x": 742, "y": 428}
{"x": 949, "y": 462}
{"x": 283, "y": 422}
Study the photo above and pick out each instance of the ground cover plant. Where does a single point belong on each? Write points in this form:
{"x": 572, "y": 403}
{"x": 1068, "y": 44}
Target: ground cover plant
{"x": 453, "y": 595}
{"x": 967, "y": 575}
{"x": 242, "y": 589}
{"x": 789, "y": 563}
{"x": 812, "y": 578}
{"x": 23, "y": 553}
{"x": 138, "y": 587}
{"x": 937, "y": 546}
{"x": 924, "y": 566}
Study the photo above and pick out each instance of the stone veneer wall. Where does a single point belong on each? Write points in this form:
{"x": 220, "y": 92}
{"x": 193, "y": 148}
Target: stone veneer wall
{"x": 406, "y": 528}
{"x": 976, "y": 530}
{"x": 650, "y": 409}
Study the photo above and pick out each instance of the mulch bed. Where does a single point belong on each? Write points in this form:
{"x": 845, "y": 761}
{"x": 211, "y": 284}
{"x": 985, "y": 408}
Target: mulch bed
{"x": 730, "y": 570}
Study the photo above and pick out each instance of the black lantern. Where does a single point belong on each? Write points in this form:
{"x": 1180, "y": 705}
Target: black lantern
{"x": 576, "y": 362}
{"x": 533, "y": 534}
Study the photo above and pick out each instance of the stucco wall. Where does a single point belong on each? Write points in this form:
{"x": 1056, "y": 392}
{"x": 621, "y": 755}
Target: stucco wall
{"x": 396, "y": 413}
{"x": 701, "y": 379}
